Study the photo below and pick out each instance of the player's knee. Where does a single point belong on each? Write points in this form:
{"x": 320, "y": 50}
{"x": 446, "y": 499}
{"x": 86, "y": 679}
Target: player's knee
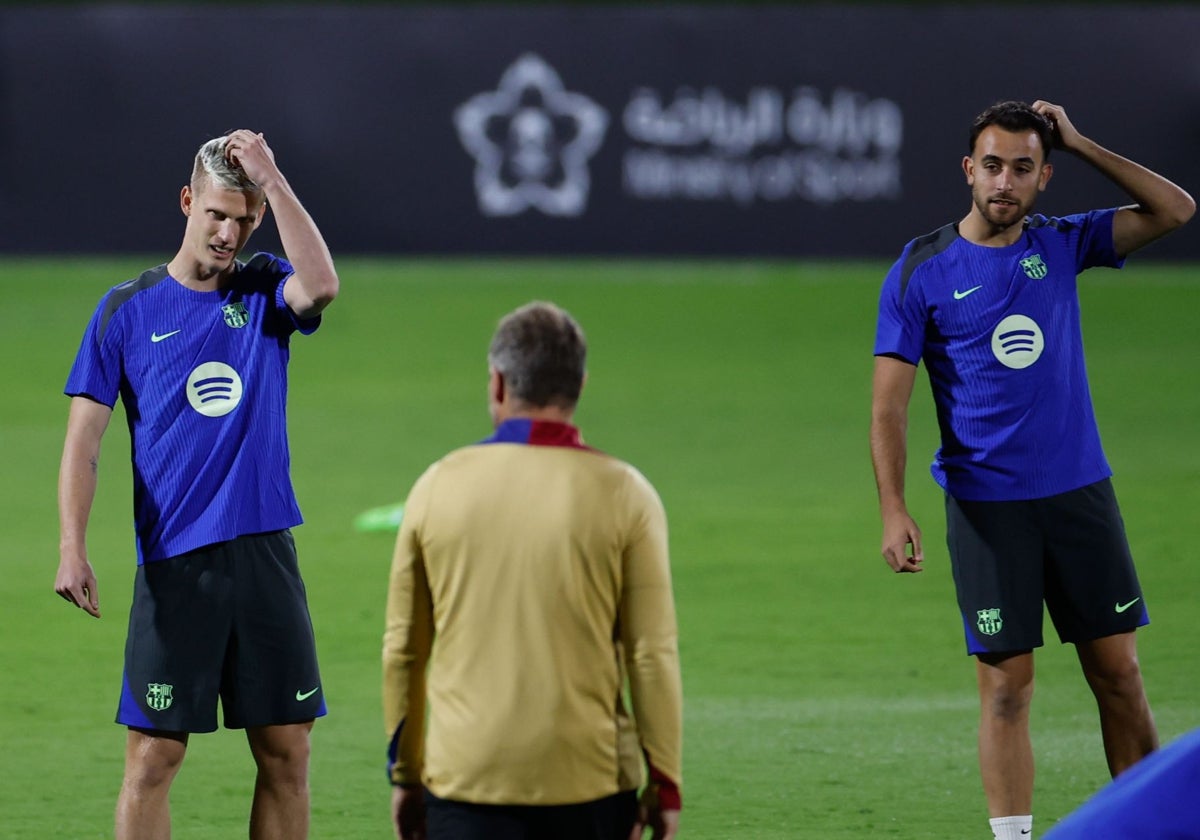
{"x": 152, "y": 763}
{"x": 1120, "y": 679}
{"x": 1008, "y": 700}
{"x": 282, "y": 753}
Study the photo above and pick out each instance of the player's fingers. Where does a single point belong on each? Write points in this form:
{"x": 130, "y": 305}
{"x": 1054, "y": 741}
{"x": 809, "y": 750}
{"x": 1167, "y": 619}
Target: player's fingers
{"x": 897, "y": 557}
{"x": 83, "y": 595}
{"x": 890, "y": 557}
{"x": 92, "y": 605}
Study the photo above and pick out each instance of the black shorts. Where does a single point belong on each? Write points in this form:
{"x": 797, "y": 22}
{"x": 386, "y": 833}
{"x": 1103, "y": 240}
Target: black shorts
{"x": 228, "y": 620}
{"x": 1069, "y": 551}
{"x": 610, "y": 818}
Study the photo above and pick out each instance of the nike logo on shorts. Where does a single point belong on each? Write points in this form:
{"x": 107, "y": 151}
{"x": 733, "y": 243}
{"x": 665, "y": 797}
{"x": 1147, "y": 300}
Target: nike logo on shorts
{"x": 1122, "y": 607}
{"x": 304, "y": 695}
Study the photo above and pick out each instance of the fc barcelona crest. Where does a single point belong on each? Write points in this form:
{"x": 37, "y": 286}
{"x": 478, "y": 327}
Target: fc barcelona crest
{"x": 235, "y": 314}
{"x": 158, "y": 696}
{"x": 989, "y": 623}
{"x": 1034, "y": 267}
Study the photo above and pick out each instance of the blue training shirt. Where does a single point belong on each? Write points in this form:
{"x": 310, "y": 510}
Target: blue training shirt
{"x": 1154, "y": 799}
{"x": 999, "y": 332}
{"x": 203, "y": 379}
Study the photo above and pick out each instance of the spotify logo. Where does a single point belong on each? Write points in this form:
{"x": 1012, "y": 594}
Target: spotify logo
{"x": 1017, "y": 342}
{"x": 214, "y": 389}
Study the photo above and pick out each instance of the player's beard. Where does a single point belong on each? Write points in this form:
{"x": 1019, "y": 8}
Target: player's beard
{"x": 1002, "y": 217}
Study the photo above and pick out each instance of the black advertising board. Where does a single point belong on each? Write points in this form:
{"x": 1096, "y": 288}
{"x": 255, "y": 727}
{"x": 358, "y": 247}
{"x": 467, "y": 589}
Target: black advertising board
{"x": 779, "y": 131}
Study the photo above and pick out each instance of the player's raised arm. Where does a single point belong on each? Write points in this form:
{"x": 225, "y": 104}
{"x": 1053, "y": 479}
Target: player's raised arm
{"x": 315, "y": 283}
{"x": 1160, "y": 205}
{"x": 76, "y": 580}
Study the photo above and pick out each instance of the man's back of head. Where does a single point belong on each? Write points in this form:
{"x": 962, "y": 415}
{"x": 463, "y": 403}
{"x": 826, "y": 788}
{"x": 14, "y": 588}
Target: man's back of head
{"x": 541, "y": 353}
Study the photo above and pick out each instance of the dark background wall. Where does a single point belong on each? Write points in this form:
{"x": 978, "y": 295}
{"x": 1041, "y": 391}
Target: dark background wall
{"x": 822, "y": 130}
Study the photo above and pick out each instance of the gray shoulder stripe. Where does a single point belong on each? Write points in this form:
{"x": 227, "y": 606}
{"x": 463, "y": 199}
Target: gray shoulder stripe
{"x": 125, "y": 291}
{"x": 924, "y": 247}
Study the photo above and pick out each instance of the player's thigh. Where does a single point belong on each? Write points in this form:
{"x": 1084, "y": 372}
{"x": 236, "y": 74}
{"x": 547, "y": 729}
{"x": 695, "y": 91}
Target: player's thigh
{"x": 179, "y": 628}
{"x": 996, "y": 558}
{"x": 1092, "y": 588}
{"x": 272, "y": 676}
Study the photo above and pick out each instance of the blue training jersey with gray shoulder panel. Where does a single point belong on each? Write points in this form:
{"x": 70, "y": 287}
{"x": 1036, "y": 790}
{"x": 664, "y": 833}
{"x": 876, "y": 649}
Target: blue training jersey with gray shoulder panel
{"x": 999, "y": 332}
{"x": 203, "y": 380}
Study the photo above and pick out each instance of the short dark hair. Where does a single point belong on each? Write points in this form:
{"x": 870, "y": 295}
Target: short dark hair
{"x": 1012, "y": 115}
{"x": 541, "y": 352}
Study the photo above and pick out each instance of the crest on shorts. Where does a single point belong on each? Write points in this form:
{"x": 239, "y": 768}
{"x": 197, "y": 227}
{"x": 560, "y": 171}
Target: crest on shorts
{"x": 235, "y": 314}
{"x": 1034, "y": 267}
{"x": 158, "y": 696}
{"x": 989, "y": 623}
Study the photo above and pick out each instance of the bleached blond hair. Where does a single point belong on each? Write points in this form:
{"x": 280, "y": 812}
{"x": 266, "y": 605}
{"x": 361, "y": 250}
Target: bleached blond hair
{"x": 221, "y": 173}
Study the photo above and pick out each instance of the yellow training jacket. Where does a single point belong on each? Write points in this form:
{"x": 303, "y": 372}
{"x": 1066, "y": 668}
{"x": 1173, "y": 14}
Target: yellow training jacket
{"x": 530, "y": 576}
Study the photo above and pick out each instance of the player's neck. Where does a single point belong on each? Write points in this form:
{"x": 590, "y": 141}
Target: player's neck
{"x": 550, "y": 413}
{"x": 979, "y": 231}
{"x": 199, "y": 277}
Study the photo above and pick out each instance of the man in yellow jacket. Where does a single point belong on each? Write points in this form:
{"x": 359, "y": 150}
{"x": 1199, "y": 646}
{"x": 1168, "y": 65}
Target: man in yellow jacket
{"x": 530, "y": 582}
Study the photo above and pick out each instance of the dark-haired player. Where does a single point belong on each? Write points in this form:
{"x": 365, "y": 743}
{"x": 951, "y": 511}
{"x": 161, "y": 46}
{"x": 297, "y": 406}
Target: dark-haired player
{"x": 990, "y": 305}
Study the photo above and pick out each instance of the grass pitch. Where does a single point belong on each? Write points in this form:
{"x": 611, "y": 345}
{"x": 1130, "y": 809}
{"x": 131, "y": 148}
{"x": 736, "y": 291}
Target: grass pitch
{"x": 825, "y": 697}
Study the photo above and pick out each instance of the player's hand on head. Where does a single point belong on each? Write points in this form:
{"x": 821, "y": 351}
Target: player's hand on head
{"x": 249, "y": 150}
{"x": 1065, "y": 133}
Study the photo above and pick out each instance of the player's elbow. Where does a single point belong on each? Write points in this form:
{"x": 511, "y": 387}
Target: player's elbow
{"x": 1184, "y": 210}
{"x": 324, "y": 289}
{"x": 1176, "y": 212}
{"x": 313, "y": 293}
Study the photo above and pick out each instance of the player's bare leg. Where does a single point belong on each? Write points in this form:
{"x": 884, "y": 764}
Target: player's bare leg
{"x": 1111, "y": 667}
{"x": 152, "y": 759}
{"x": 1005, "y": 750}
{"x": 281, "y": 796}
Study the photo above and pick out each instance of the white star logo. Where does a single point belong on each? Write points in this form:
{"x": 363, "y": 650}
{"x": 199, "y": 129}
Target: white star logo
{"x": 531, "y": 140}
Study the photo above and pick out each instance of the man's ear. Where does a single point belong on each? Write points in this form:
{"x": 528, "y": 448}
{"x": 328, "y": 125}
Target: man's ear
{"x": 185, "y": 199}
{"x": 1044, "y": 178}
{"x": 496, "y": 386}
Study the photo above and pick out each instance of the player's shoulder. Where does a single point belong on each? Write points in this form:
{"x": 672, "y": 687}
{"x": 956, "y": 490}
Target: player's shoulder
{"x": 922, "y": 253}
{"x": 263, "y": 270}
{"x": 123, "y": 293}
{"x": 1066, "y": 225}
{"x": 928, "y": 246}
{"x": 148, "y": 279}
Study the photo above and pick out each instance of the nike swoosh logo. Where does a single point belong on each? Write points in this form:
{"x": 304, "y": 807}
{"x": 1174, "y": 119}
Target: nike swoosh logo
{"x": 304, "y": 695}
{"x": 960, "y": 295}
{"x": 1122, "y": 607}
{"x": 1027, "y": 831}
{"x": 155, "y": 337}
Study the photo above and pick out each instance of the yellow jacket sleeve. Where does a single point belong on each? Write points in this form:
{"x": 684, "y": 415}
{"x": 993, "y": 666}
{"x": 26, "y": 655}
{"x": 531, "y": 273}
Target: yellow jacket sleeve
{"x": 650, "y": 641}
{"x": 407, "y": 640}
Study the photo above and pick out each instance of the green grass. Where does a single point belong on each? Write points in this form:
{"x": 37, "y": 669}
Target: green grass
{"x": 825, "y": 697}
